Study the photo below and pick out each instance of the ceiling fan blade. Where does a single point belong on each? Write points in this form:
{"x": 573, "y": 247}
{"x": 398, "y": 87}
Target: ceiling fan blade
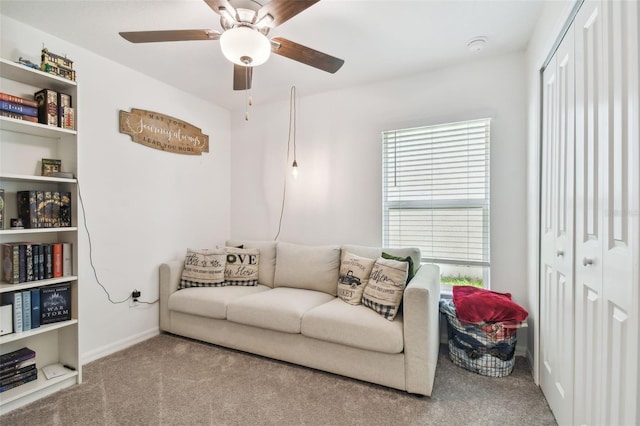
{"x": 283, "y": 10}
{"x": 306, "y": 55}
{"x": 169, "y": 35}
{"x": 242, "y": 77}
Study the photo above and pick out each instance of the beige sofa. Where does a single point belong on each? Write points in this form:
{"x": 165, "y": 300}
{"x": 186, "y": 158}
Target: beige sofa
{"x": 292, "y": 315}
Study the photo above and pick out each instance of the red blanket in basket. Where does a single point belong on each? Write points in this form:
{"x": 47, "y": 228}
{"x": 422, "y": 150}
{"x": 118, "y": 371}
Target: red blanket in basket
{"x": 477, "y": 305}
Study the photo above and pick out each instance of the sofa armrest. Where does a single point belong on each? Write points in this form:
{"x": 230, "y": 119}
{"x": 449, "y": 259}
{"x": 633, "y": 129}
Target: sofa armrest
{"x": 170, "y": 273}
{"x": 422, "y": 329}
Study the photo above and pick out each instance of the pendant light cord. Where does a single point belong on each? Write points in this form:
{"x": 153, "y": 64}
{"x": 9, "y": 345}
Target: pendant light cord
{"x": 292, "y": 137}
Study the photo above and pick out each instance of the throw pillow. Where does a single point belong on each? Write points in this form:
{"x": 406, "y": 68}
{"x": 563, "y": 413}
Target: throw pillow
{"x": 386, "y": 285}
{"x": 353, "y": 277}
{"x": 411, "y": 272}
{"x": 203, "y": 268}
{"x": 242, "y": 266}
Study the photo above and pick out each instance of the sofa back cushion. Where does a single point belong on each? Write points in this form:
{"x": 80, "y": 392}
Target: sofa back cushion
{"x": 267, "y": 267}
{"x": 376, "y": 252}
{"x": 307, "y": 267}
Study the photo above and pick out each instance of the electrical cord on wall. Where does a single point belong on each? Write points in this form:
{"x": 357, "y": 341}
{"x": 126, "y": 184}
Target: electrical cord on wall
{"x": 292, "y": 132}
{"x": 95, "y": 272}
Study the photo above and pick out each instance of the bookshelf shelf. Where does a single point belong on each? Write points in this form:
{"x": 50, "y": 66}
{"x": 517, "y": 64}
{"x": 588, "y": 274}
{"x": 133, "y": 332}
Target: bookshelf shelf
{"x": 34, "y": 332}
{"x": 38, "y": 230}
{"x": 23, "y": 144}
{"x": 41, "y": 385}
{"x": 6, "y": 288}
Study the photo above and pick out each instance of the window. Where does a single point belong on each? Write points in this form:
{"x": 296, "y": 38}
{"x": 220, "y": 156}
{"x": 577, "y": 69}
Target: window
{"x": 436, "y": 196}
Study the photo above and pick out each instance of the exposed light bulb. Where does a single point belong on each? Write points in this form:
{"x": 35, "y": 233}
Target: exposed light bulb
{"x": 294, "y": 170}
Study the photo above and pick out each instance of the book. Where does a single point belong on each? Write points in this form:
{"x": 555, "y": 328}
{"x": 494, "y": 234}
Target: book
{"x": 47, "y": 106}
{"x": 22, "y": 262}
{"x": 11, "y": 263}
{"x": 40, "y": 208}
{"x": 65, "y": 209}
{"x": 14, "y": 299}
{"x": 41, "y": 264}
{"x": 18, "y": 100}
{"x": 47, "y": 213}
{"x": 48, "y": 260}
{"x": 26, "y": 310}
{"x": 18, "y": 108}
{"x": 17, "y": 377}
{"x": 2, "y": 220}
{"x": 57, "y": 260}
{"x": 27, "y": 211}
{"x": 56, "y": 370}
{"x": 55, "y": 304}
{"x": 13, "y": 358}
{"x": 67, "y": 259}
{"x": 55, "y": 209}
{"x": 31, "y": 378}
{"x": 6, "y": 319}
{"x": 29, "y": 261}
{"x": 35, "y": 308}
{"x": 66, "y": 115}
{"x": 13, "y": 373}
{"x": 17, "y": 116}
{"x": 18, "y": 368}
{"x": 50, "y": 165}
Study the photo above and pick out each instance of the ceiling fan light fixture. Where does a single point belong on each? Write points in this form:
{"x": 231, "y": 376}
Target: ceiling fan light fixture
{"x": 245, "y": 46}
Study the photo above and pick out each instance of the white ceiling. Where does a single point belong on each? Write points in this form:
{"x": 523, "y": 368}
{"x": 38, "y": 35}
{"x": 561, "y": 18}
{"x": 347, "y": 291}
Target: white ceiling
{"x": 378, "y": 39}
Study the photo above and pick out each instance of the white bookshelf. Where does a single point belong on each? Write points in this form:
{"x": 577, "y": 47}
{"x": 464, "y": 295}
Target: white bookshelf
{"x": 22, "y": 145}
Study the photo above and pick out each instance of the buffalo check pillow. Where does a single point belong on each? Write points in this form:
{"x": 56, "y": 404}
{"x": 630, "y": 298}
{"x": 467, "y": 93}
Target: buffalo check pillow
{"x": 386, "y": 285}
{"x": 203, "y": 268}
{"x": 242, "y": 266}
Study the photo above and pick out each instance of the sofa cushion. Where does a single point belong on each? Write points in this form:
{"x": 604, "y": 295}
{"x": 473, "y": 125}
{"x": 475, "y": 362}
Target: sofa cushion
{"x": 279, "y": 309}
{"x": 203, "y": 268}
{"x": 267, "y": 249}
{"x": 386, "y": 285}
{"x": 356, "y": 326}
{"x": 209, "y": 302}
{"x": 242, "y": 266}
{"x": 308, "y": 267}
{"x": 354, "y": 275}
{"x": 376, "y": 252}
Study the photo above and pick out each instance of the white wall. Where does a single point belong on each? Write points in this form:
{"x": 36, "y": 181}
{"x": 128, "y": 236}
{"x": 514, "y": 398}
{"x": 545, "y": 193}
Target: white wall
{"x": 143, "y": 206}
{"x": 548, "y": 28}
{"x": 337, "y": 197}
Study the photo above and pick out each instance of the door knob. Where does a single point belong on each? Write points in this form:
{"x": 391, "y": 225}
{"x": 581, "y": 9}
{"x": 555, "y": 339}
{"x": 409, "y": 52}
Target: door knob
{"x": 587, "y": 261}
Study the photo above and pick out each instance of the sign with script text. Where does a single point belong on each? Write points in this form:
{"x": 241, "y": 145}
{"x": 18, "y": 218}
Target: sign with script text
{"x": 162, "y": 132}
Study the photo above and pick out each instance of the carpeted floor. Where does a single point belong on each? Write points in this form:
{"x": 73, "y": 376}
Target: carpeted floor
{"x": 168, "y": 380}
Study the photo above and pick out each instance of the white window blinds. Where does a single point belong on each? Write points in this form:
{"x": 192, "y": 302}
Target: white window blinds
{"x": 436, "y": 191}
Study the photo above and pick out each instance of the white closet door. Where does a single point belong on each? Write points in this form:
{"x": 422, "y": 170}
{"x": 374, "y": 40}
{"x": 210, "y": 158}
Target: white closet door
{"x": 607, "y": 193}
{"x": 588, "y": 232}
{"x": 620, "y": 140}
{"x": 557, "y": 203}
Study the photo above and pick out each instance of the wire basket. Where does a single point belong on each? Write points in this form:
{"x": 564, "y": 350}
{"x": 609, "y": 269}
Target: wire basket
{"x": 487, "y": 349}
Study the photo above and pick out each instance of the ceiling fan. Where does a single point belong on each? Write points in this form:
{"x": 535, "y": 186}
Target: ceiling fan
{"x": 244, "y": 41}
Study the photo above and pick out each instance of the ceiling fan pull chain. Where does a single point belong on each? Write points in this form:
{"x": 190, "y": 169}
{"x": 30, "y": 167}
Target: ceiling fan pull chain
{"x": 249, "y": 100}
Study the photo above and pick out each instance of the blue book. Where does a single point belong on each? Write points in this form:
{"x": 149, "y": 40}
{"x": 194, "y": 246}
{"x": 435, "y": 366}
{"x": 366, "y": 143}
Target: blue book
{"x": 35, "y": 308}
{"x": 26, "y": 310}
{"x": 18, "y": 109}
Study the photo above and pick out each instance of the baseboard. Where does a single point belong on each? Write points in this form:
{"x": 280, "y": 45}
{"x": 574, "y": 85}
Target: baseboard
{"x": 95, "y": 354}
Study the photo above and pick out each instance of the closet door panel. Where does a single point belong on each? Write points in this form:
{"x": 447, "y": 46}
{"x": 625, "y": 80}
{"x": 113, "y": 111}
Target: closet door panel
{"x": 618, "y": 126}
{"x": 556, "y": 307}
{"x": 588, "y": 233}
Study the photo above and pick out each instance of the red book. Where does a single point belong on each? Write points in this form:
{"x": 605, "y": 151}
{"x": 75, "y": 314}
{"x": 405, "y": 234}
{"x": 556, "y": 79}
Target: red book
{"x": 18, "y": 100}
{"x": 57, "y": 260}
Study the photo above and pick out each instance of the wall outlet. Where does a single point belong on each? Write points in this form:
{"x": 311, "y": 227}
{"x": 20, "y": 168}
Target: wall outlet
{"x": 133, "y": 301}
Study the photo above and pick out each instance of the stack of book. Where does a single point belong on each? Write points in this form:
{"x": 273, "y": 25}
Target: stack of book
{"x": 44, "y": 209}
{"x": 39, "y": 306}
{"x": 18, "y": 108}
{"x": 17, "y": 368}
{"x": 25, "y": 261}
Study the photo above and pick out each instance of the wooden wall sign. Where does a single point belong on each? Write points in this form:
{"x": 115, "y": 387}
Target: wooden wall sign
{"x": 162, "y": 132}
